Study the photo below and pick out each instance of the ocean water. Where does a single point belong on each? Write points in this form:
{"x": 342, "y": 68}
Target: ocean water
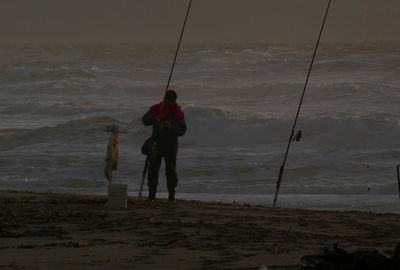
{"x": 239, "y": 103}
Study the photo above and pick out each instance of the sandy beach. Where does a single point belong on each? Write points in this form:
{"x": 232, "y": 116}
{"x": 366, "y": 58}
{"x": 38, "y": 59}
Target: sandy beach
{"x": 64, "y": 231}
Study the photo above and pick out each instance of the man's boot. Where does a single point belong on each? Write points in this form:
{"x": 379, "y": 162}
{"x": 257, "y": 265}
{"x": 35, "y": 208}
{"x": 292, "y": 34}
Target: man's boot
{"x": 171, "y": 195}
{"x": 152, "y": 195}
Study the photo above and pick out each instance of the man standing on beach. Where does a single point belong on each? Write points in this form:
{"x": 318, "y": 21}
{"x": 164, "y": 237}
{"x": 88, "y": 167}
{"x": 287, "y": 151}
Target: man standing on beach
{"x": 168, "y": 123}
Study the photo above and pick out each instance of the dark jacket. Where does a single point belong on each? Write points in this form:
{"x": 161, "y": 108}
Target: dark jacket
{"x": 154, "y": 116}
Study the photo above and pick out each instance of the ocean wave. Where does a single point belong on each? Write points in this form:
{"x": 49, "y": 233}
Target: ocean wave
{"x": 59, "y": 109}
{"x": 82, "y": 131}
{"x": 221, "y": 127}
{"x": 44, "y": 72}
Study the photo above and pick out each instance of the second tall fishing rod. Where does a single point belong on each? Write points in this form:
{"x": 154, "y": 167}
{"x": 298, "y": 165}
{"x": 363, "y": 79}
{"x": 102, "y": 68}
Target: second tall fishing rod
{"x": 278, "y": 183}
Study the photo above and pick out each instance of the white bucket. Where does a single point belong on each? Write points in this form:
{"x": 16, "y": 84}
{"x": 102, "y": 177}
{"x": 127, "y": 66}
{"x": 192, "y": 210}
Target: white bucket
{"x": 117, "y": 196}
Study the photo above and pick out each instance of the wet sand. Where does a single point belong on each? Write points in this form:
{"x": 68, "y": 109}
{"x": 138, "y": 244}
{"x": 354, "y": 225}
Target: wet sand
{"x": 64, "y": 231}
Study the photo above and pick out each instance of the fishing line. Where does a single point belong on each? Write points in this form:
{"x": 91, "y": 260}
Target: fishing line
{"x": 179, "y": 45}
{"x": 278, "y": 183}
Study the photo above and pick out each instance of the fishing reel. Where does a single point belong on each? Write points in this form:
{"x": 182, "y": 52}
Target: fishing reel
{"x": 161, "y": 123}
{"x": 298, "y": 136}
{"x": 157, "y": 123}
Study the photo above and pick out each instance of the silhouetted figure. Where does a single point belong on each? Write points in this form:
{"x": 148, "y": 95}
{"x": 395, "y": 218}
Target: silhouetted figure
{"x": 168, "y": 123}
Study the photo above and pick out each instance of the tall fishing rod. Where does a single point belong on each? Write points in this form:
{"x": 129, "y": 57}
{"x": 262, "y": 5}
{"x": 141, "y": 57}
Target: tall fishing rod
{"x": 278, "y": 183}
{"x": 179, "y": 45}
{"x": 152, "y": 144}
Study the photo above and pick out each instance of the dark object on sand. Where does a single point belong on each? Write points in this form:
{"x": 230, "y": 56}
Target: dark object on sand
{"x": 368, "y": 260}
{"x": 333, "y": 259}
{"x": 338, "y": 259}
{"x": 396, "y": 257}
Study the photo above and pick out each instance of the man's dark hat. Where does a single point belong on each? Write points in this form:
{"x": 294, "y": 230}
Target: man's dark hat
{"x": 170, "y": 96}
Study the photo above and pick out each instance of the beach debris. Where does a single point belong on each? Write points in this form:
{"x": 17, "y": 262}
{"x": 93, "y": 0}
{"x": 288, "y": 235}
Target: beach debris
{"x": 152, "y": 220}
{"x": 155, "y": 221}
{"x": 339, "y": 259}
{"x": 26, "y": 246}
{"x": 81, "y": 244}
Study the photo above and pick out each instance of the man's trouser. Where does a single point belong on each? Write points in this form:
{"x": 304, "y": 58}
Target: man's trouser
{"x": 169, "y": 153}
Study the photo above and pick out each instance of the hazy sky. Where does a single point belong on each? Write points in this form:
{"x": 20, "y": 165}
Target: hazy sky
{"x": 209, "y": 21}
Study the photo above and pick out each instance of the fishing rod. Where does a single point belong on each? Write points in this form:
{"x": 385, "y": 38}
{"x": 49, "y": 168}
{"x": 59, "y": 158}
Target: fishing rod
{"x": 179, "y": 45}
{"x": 291, "y": 138}
{"x": 149, "y": 155}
